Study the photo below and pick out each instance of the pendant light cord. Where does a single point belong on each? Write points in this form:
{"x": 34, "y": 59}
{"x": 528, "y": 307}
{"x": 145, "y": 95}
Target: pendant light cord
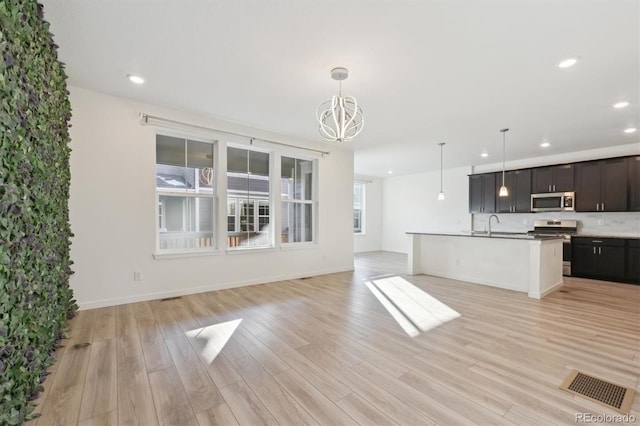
{"x": 503, "y": 153}
{"x": 441, "y": 148}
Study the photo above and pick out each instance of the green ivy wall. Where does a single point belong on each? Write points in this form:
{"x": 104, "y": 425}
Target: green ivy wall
{"x": 35, "y": 298}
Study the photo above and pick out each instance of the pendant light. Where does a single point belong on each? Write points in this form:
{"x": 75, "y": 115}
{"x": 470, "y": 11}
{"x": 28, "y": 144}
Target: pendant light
{"x": 504, "y": 192}
{"x": 340, "y": 118}
{"x": 441, "y": 194}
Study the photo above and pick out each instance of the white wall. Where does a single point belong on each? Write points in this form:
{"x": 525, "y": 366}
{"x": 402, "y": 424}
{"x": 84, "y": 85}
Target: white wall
{"x": 371, "y": 240}
{"x": 112, "y": 212}
{"x": 411, "y": 204}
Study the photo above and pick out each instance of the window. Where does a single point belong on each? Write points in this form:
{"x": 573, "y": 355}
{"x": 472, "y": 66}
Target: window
{"x": 185, "y": 194}
{"x": 297, "y": 194}
{"x": 248, "y": 198}
{"x": 358, "y": 207}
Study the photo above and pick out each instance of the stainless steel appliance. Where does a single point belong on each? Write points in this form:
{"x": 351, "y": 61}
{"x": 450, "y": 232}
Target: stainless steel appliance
{"x": 553, "y": 202}
{"x": 558, "y": 228}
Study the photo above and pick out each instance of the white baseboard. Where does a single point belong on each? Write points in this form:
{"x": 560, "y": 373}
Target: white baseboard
{"x": 94, "y": 304}
{"x": 550, "y": 290}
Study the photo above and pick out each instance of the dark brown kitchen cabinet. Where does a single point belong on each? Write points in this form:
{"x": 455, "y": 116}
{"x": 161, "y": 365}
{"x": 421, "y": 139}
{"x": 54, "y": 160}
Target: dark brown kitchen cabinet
{"x": 633, "y": 261}
{"x": 633, "y": 164}
{"x": 518, "y": 182}
{"x": 602, "y": 185}
{"x": 600, "y": 258}
{"x": 552, "y": 179}
{"x": 482, "y": 193}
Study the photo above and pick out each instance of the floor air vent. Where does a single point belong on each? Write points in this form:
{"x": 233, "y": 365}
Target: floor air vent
{"x": 611, "y": 395}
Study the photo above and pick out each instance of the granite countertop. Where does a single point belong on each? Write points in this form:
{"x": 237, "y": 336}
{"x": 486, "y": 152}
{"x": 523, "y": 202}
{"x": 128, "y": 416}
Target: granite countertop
{"x": 494, "y": 234}
{"x": 622, "y": 237}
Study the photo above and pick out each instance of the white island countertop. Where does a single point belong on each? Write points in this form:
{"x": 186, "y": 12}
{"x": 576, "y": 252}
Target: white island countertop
{"x": 514, "y": 261}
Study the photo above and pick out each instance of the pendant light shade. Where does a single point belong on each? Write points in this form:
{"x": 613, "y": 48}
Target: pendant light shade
{"x": 441, "y": 194}
{"x": 504, "y": 192}
{"x": 340, "y": 118}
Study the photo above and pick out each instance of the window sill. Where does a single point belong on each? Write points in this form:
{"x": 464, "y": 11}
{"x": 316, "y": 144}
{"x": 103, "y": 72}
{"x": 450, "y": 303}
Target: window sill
{"x": 358, "y": 234}
{"x": 298, "y": 246}
{"x": 247, "y": 250}
{"x": 184, "y": 254}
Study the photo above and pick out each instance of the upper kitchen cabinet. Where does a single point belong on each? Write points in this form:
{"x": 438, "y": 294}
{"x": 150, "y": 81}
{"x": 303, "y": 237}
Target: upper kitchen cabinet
{"x": 634, "y": 183}
{"x": 518, "y": 182}
{"x": 601, "y": 186}
{"x": 553, "y": 179}
{"x": 482, "y": 193}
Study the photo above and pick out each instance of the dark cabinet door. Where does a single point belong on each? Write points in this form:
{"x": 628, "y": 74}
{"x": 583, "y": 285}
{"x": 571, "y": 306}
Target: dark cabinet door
{"x": 489, "y": 192}
{"x": 563, "y": 178}
{"x": 475, "y": 194}
{"x": 505, "y": 204}
{"x": 482, "y": 193}
{"x": 633, "y": 261}
{"x": 542, "y": 180}
{"x": 634, "y": 183}
{"x": 588, "y": 178}
{"x": 584, "y": 260}
{"x": 522, "y": 201}
{"x": 553, "y": 179}
{"x": 602, "y": 185}
{"x": 600, "y": 258}
{"x": 614, "y": 185}
{"x": 611, "y": 262}
{"x": 518, "y": 182}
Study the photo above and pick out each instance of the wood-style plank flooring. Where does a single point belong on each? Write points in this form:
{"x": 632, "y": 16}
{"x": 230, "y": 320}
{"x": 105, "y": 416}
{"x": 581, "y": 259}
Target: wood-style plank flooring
{"x": 324, "y": 351}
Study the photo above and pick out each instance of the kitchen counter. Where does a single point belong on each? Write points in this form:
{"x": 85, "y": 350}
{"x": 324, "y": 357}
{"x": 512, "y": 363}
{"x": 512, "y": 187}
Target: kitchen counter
{"x": 483, "y": 234}
{"x": 513, "y": 261}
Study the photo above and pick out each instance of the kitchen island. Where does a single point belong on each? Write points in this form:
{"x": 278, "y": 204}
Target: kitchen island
{"x": 512, "y": 261}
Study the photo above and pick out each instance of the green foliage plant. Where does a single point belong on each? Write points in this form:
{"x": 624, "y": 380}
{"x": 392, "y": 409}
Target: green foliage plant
{"x": 36, "y": 301}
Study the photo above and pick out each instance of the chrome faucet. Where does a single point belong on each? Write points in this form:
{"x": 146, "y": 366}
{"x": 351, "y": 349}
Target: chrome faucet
{"x": 497, "y": 219}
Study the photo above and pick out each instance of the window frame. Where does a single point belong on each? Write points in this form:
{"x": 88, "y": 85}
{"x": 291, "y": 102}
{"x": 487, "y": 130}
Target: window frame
{"x": 313, "y": 202}
{"x": 363, "y": 208}
{"x": 186, "y": 194}
{"x": 270, "y": 200}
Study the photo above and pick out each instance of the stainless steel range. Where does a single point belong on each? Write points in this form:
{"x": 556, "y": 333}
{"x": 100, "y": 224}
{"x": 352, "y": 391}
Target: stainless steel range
{"x": 558, "y": 228}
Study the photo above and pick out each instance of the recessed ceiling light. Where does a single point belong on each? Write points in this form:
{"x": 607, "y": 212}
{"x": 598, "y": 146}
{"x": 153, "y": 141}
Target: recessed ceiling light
{"x": 545, "y": 144}
{"x": 568, "y": 63}
{"x": 135, "y": 79}
{"x": 630, "y": 130}
{"x": 621, "y": 104}
{"x": 484, "y": 154}
{"x": 390, "y": 172}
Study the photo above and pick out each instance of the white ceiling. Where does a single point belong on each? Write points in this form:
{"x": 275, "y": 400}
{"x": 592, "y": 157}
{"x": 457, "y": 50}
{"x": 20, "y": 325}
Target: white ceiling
{"x": 423, "y": 71}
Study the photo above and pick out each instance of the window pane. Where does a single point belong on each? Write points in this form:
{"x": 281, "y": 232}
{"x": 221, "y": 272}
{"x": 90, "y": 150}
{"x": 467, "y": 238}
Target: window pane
{"x": 248, "y": 182}
{"x": 185, "y": 222}
{"x": 297, "y": 223}
{"x": 296, "y": 179}
{"x": 183, "y": 164}
{"x": 231, "y": 215}
{"x": 237, "y": 160}
{"x": 259, "y": 163}
{"x": 358, "y": 206}
{"x": 357, "y": 222}
{"x": 200, "y": 165}
{"x": 170, "y": 163}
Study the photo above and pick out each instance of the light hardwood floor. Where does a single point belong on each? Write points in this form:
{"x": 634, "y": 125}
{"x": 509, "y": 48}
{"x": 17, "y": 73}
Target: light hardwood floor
{"x": 324, "y": 350}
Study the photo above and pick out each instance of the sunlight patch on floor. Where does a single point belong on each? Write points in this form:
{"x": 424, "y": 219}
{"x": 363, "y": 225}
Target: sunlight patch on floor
{"x": 211, "y": 339}
{"x": 413, "y": 309}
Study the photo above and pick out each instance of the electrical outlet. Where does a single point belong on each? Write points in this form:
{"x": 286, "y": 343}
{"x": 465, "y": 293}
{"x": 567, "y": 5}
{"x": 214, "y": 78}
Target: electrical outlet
{"x": 600, "y": 221}
{"x": 137, "y": 276}
{"x": 525, "y": 222}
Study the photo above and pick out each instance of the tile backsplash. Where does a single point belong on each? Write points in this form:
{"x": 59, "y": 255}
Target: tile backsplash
{"x": 622, "y": 224}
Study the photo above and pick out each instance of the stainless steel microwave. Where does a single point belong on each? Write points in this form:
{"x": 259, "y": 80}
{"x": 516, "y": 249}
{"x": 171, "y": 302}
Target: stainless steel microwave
{"x": 553, "y": 202}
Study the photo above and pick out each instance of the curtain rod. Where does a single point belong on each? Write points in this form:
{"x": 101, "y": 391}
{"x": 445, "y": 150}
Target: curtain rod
{"x": 144, "y": 118}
